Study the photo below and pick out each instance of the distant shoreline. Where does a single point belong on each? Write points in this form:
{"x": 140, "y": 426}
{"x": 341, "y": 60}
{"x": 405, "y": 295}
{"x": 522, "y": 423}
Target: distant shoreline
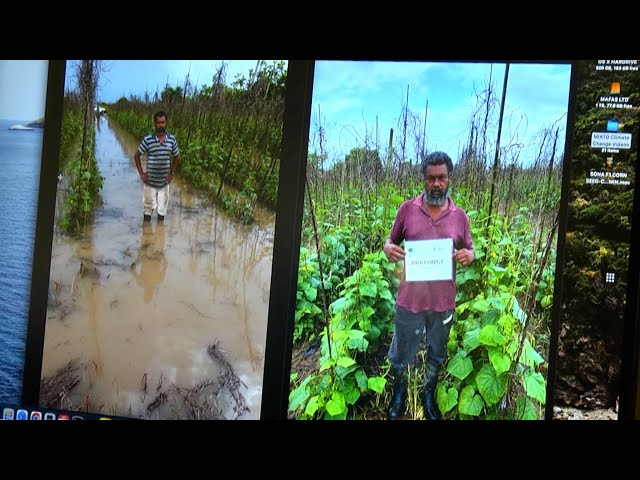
{"x": 39, "y": 123}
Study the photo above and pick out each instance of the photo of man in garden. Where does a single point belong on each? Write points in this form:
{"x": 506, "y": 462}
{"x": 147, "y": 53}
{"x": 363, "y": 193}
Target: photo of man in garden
{"x": 398, "y": 248}
{"x": 426, "y": 307}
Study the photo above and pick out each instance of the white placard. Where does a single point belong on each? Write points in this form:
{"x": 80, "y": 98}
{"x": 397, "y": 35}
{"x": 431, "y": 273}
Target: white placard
{"x": 429, "y": 260}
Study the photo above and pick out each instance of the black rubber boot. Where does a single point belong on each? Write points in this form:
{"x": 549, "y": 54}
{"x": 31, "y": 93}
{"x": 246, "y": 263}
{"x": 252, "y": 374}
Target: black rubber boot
{"x": 431, "y": 410}
{"x": 396, "y": 409}
{"x": 147, "y": 218}
{"x": 160, "y": 218}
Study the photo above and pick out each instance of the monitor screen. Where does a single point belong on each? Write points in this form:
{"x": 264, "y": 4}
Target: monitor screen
{"x": 453, "y": 238}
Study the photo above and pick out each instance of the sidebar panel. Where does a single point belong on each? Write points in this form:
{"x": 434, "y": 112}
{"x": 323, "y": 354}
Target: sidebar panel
{"x": 594, "y": 287}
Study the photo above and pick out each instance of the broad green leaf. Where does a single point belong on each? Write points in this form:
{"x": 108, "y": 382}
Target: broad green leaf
{"x": 358, "y": 343}
{"x": 311, "y": 293}
{"x": 339, "y": 305}
{"x": 462, "y": 307}
{"x": 535, "y": 386}
{"x": 368, "y": 289}
{"x": 546, "y": 301}
{"x": 480, "y": 306}
{"x": 342, "y": 372}
{"x": 529, "y": 356}
{"x": 365, "y": 325}
{"x": 466, "y": 276}
{"x": 491, "y": 316}
{"x": 345, "y": 362}
{"x": 356, "y": 340}
{"x": 351, "y": 395}
{"x": 325, "y": 365}
{"x": 312, "y": 406}
{"x": 470, "y": 403}
{"x": 525, "y": 410}
{"x": 367, "y": 311}
{"x": 447, "y": 399}
{"x": 491, "y": 413}
{"x": 340, "y": 416}
{"x": 376, "y": 384}
{"x": 374, "y": 333}
{"x": 356, "y": 334}
{"x": 507, "y": 322}
{"x": 491, "y": 336}
{"x": 386, "y": 294}
{"x": 361, "y": 378}
{"x": 460, "y": 366}
{"x": 336, "y": 405}
{"x": 298, "y": 396}
{"x": 500, "y": 361}
{"x": 490, "y": 386}
{"x": 471, "y": 339}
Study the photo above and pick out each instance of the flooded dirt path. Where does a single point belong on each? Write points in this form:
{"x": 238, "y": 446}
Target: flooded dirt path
{"x": 138, "y": 305}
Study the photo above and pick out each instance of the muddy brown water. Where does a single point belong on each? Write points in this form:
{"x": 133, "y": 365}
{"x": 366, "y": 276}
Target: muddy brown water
{"x": 138, "y": 305}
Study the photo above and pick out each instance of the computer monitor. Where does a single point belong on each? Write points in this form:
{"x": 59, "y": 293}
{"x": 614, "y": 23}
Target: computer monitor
{"x": 126, "y": 320}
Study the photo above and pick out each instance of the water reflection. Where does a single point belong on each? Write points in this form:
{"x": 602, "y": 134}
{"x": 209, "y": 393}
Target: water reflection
{"x": 150, "y": 268}
{"x": 216, "y": 292}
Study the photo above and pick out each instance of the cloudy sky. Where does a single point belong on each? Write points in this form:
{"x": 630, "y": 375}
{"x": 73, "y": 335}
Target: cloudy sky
{"x": 348, "y": 96}
{"x": 23, "y": 89}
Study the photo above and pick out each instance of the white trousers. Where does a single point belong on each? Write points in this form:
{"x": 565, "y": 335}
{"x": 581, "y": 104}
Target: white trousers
{"x": 153, "y": 198}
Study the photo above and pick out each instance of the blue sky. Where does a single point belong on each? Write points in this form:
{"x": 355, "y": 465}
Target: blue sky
{"x": 127, "y": 77}
{"x": 23, "y": 89}
{"x": 349, "y": 95}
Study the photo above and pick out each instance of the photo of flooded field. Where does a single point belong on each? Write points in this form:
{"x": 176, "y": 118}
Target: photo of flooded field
{"x": 164, "y": 317}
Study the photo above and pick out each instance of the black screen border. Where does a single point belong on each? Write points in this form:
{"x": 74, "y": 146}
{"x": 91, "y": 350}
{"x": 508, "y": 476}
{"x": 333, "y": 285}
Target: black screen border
{"x": 286, "y": 245}
{"x": 44, "y": 233}
{"x": 552, "y": 372}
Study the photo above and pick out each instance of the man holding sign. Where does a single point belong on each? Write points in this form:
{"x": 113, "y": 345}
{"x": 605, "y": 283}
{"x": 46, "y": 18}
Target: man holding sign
{"x": 436, "y": 235}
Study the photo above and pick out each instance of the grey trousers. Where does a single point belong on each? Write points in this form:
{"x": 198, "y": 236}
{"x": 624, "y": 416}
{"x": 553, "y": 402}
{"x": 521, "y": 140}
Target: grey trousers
{"x": 411, "y": 328}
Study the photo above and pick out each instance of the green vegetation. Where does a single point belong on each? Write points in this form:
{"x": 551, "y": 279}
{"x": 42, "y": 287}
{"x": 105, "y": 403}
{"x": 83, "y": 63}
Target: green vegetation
{"x": 498, "y": 345}
{"x": 229, "y": 135}
{"x": 78, "y": 162}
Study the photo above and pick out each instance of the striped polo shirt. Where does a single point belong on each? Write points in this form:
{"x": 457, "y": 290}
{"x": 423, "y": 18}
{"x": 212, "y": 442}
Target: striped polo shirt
{"x": 158, "y": 157}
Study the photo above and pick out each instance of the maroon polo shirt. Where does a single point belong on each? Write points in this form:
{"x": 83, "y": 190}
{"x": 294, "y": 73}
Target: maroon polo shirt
{"x": 414, "y": 223}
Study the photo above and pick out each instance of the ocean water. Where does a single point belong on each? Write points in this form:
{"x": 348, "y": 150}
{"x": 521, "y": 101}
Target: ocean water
{"x": 20, "y": 153}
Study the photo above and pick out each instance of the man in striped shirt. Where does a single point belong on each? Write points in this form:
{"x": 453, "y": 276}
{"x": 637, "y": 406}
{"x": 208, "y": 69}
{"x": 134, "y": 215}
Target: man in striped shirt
{"x": 160, "y": 147}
